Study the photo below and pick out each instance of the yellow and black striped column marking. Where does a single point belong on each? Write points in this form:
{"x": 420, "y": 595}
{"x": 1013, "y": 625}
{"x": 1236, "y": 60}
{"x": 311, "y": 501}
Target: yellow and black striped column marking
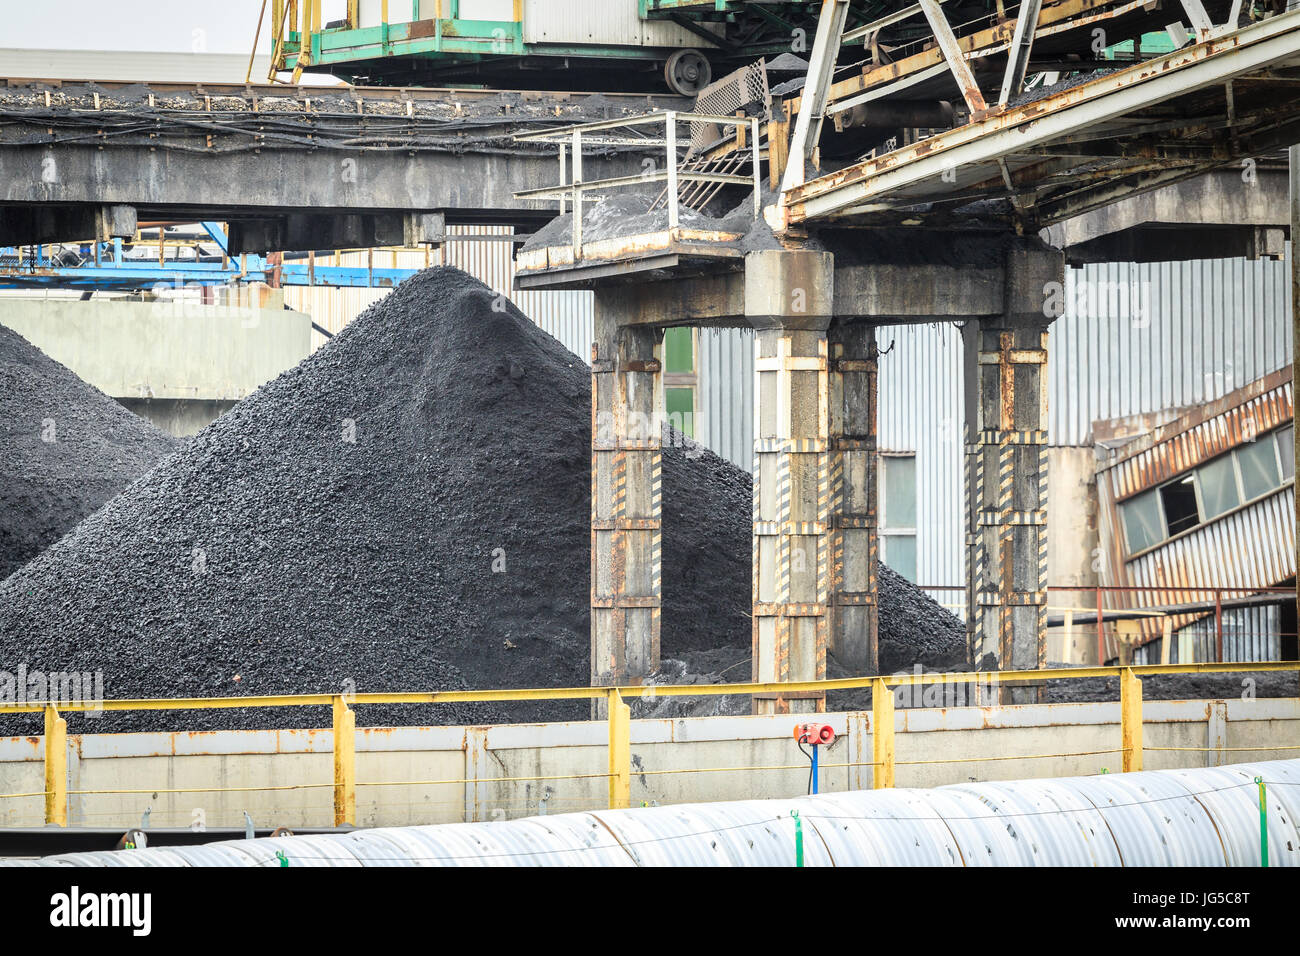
{"x": 786, "y": 447}
{"x": 995, "y": 583}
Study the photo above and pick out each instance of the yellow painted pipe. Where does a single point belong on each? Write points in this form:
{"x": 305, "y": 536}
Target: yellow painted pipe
{"x": 882, "y": 735}
{"x": 661, "y": 690}
{"x": 620, "y": 752}
{"x": 56, "y": 769}
{"x": 345, "y": 764}
{"x": 1130, "y": 708}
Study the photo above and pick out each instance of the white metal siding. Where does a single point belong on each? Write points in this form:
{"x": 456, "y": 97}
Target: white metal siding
{"x": 1140, "y": 337}
{"x": 399, "y": 11}
{"x": 725, "y": 397}
{"x": 920, "y": 411}
{"x": 614, "y": 22}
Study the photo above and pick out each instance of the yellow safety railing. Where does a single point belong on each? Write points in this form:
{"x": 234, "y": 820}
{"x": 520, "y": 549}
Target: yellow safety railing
{"x": 619, "y": 772}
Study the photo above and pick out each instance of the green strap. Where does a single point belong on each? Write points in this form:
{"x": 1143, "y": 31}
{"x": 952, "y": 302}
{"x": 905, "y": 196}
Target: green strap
{"x": 1263, "y": 824}
{"x": 798, "y": 838}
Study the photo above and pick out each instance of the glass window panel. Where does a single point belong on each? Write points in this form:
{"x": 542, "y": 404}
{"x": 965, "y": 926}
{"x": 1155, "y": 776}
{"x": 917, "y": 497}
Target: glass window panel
{"x": 1286, "y": 450}
{"x": 1218, "y": 488}
{"x": 900, "y": 491}
{"x": 679, "y": 350}
{"x": 1179, "y": 501}
{"x": 679, "y": 403}
{"x": 900, "y": 554}
{"x": 1258, "y": 463}
{"x": 1142, "y": 521}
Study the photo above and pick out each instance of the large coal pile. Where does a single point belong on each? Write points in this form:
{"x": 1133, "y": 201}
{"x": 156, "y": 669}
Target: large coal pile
{"x": 407, "y": 509}
{"x": 65, "y": 449}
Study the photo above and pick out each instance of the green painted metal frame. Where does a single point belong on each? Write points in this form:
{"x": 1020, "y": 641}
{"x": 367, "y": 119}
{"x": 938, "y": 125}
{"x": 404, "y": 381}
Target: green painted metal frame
{"x": 460, "y": 39}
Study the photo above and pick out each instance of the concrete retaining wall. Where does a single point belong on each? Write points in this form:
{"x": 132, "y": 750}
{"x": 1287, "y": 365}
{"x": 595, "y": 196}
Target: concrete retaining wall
{"x": 172, "y": 352}
{"x": 446, "y": 774}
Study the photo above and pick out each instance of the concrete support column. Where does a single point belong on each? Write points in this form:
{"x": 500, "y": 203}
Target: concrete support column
{"x": 1006, "y": 469}
{"x": 854, "y": 474}
{"x": 626, "y": 438}
{"x": 787, "y": 298}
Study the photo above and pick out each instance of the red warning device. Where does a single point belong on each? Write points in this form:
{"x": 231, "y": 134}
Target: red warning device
{"x": 817, "y": 734}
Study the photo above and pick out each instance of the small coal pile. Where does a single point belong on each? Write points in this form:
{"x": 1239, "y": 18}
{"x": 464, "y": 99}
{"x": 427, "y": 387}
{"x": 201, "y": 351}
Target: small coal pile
{"x": 65, "y": 449}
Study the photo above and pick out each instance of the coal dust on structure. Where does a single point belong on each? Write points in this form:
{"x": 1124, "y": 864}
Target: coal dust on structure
{"x": 406, "y": 510}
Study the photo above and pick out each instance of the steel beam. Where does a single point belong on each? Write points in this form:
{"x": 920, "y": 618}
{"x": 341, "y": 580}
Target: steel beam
{"x": 957, "y": 65}
{"x": 1268, "y": 42}
{"x": 1021, "y": 45}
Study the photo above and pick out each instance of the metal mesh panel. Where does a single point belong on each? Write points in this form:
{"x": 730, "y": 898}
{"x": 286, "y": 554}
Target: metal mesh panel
{"x": 734, "y": 92}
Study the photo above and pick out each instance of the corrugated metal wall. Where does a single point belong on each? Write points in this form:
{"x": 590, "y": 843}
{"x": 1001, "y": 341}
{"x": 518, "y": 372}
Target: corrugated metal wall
{"x": 1140, "y": 337}
{"x": 724, "y": 404}
{"x": 920, "y": 411}
{"x": 1249, "y": 634}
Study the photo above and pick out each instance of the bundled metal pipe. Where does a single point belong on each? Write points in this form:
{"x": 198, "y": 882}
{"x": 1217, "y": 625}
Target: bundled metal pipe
{"x": 1215, "y": 816}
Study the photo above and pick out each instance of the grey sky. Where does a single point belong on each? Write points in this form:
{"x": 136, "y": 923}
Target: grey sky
{"x": 174, "y": 26}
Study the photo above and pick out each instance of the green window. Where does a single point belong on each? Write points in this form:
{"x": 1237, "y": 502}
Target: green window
{"x": 898, "y": 547}
{"x": 1258, "y": 463}
{"x": 679, "y": 404}
{"x": 680, "y": 379}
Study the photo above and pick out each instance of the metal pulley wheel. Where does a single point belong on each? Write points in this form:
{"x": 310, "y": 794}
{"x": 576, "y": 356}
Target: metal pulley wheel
{"x": 687, "y": 72}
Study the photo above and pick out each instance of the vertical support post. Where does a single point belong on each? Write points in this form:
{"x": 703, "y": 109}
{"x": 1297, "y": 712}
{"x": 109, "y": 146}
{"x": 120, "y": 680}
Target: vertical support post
{"x": 1130, "y": 716}
{"x": 1294, "y": 180}
{"x": 626, "y": 498}
{"x": 1218, "y": 625}
{"x": 854, "y": 475}
{"x": 1013, "y": 80}
{"x": 620, "y": 751}
{"x": 345, "y": 764}
{"x": 56, "y": 769}
{"x": 1101, "y": 632}
{"x": 755, "y": 158}
{"x": 564, "y": 175}
{"x": 882, "y": 734}
{"x": 787, "y": 299}
{"x": 1216, "y": 734}
{"x": 577, "y": 194}
{"x": 670, "y": 123}
{"x": 1006, "y": 469}
{"x": 778, "y": 146}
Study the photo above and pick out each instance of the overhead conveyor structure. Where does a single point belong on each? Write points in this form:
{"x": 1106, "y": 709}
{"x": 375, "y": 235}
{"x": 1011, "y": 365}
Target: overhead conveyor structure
{"x": 1055, "y": 153}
